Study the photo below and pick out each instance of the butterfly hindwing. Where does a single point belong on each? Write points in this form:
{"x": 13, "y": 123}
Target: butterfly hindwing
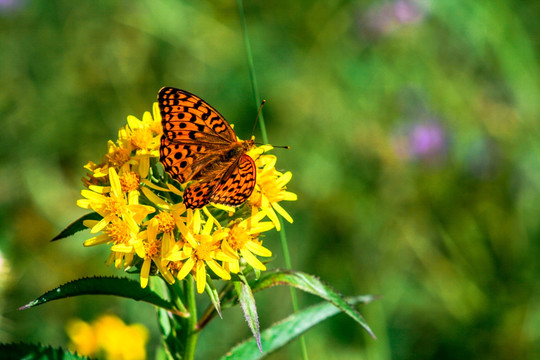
{"x": 198, "y": 194}
{"x": 236, "y": 186}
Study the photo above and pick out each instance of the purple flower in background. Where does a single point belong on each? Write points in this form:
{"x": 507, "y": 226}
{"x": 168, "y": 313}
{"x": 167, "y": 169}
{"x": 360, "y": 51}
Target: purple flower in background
{"x": 407, "y": 11}
{"x": 8, "y": 6}
{"x": 383, "y": 19}
{"x": 427, "y": 140}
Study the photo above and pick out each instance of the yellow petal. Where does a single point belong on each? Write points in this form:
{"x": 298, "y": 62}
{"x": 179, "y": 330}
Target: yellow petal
{"x": 123, "y": 248}
{"x": 252, "y": 260}
{"x": 97, "y": 240}
{"x": 174, "y": 190}
{"x": 92, "y": 196}
{"x": 118, "y": 257}
{"x": 144, "y": 167}
{"x": 261, "y": 227}
{"x": 186, "y": 268}
{"x": 289, "y": 196}
{"x": 115, "y": 183}
{"x": 164, "y": 271}
{"x": 133, "y": 122}
{"x": 101, "y": 225}
{"x": 84, "y": 203}
{"x": 200, "y": 276}
{"x": 155, "y": 199}
{"x": 153, "y": 186}
{"x": 258, "y": 249}
{"x": 282, "y": 212}
{"x": 145, "y": 271}
{"x": 100, "y": 189}
{"x": 212, "y": 264}
{"x": 90, "y": 223}
{"x": 272, "y": 215}
{"x": 284, "y": 179}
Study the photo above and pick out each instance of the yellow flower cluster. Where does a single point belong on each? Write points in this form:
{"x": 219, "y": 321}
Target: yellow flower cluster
{"x": 145, "y": 222}
{"x": 107, "y": 337}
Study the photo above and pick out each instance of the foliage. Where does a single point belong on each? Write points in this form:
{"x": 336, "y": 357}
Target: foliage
{"x": 444, "y": 226}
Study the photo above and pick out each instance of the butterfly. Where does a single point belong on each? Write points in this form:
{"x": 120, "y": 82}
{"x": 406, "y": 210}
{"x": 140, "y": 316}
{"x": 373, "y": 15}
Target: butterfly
{"x": 199, "y": 144}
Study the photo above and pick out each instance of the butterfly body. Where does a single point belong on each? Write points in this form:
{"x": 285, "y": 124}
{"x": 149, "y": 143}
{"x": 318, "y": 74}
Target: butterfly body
{"x": 199, "y": 145}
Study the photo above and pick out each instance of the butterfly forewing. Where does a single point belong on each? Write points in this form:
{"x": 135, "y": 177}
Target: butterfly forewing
{"x": 188, "y": 117}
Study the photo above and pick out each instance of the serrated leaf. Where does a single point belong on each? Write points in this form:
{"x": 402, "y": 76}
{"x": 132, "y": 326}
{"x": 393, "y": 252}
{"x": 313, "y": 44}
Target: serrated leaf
{"x": 35, "y": 352}
{"x": 312, "y": 285}
{"x": 77, "y": 226}
{"x": 283, "y": 332}
{"x": 247, "y": 302}
{"x": 122, "y": 287}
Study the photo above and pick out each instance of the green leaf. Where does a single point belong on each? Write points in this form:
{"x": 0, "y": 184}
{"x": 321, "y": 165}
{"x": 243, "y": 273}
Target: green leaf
{"x": 77, "y": 225}
{"x": 247, "y": 302}
{"x": 278, "y": 335}
{"x": 35, "y": 352}
{"x": 312, "y": 285}
{"x": 122, "y": 287}
{"x": 213, "y": 295}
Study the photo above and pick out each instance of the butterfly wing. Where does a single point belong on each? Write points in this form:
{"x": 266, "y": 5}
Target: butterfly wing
{"x": 236, "y": 186}
{"x": 192, "y": 132}
{"x": 186, "y": 118}
{"x": 233, "y": 189}
{"x": 198, "y": 194}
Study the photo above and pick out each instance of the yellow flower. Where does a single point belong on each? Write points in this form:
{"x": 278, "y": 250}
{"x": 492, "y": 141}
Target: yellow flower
{"x": 150, "y": 247}
{"x": 110, "y": 203}
{"x": 109, "y": 337}
{"x": 144, "y": 136}
{"x": 200, "y": 249}
{"x": 242, "y": 238}
{"x": 270, "y": 190}
{"x": 82, "y": 337}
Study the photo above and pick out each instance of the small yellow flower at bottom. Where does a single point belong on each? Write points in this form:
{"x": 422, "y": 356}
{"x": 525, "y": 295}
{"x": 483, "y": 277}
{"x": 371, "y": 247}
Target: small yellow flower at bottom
{"x": 108, "y": 336}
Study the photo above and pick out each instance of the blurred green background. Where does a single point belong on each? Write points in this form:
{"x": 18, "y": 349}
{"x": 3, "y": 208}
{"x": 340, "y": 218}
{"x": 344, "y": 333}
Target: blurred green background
{"x": 415, "y": 152}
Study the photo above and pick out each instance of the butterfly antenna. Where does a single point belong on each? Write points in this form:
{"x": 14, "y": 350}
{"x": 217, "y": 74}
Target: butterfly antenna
{"x": 257, "y": 118}
{"x": 274, "y": 146}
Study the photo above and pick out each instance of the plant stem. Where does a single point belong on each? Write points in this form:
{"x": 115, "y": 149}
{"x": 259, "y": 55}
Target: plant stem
{"x": 255, "y": 89}
{"x": 294, "y": 298}
{"x": 193, "y": 332}
{"x": 254, "y": 86}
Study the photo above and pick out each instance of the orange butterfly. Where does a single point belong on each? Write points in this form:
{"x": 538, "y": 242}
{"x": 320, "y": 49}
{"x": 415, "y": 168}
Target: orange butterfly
{"x": 199, "y": 144}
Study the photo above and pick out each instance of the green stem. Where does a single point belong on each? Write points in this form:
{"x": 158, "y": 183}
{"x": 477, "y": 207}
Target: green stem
{"x": 254, "y": 86}
{"x": 255, "y": 89}
{"x": 294, "y": 298}
{"x": 193, "y": 333}
{"x": 179, "y": 295}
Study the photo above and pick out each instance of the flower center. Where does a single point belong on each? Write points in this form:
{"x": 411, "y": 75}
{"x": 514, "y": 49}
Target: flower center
{"x": 152, "y": 248}
{"x": 113, "y": 206}
{"x": 142, "y": 138}
{"x": 238, "y": 238}
{"x": 130, "y": 181}
{"x": 204, "y": 249}
{"x": 119, "y": 231}
{"x": 119, "y": 156}
{"x": 165, "y": 222}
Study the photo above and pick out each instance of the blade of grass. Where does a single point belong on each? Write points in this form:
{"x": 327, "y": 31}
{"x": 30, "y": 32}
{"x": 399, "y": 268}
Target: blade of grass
{"x": 257, "y": 97}
{"x": 254, "y": 86}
